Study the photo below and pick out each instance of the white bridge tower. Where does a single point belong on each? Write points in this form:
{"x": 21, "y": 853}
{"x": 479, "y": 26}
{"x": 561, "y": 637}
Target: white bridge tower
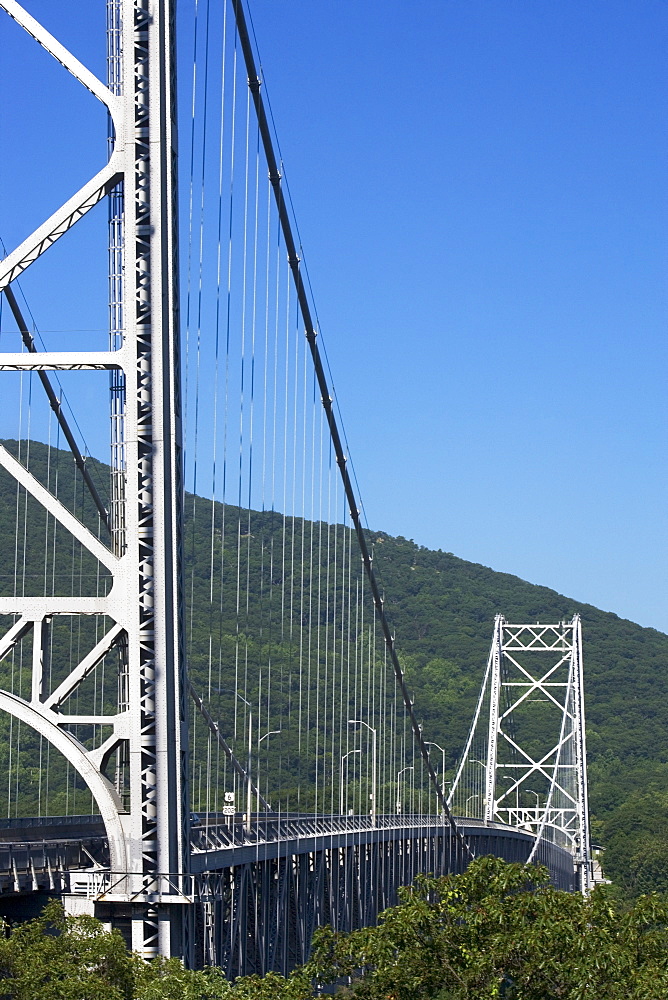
{"x": 525, "y": 760}
{"x": 137, "y": 776}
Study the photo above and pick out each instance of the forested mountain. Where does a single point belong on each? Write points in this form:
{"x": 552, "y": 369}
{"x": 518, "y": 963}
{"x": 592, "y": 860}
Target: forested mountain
{"x": 442, "y": 610}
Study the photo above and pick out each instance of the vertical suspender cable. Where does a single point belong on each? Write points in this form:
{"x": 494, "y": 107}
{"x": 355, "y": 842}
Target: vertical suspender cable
{"x": 254, "y": 83}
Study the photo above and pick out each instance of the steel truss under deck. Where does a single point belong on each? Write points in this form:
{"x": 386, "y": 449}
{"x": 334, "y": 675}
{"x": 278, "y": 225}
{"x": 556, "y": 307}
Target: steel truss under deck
{"x": 259, "y": 915}
{"x": 258, "y": 897}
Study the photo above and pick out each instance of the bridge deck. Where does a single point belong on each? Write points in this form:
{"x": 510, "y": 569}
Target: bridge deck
{"x": 258, "y": 893}
{"x": 37, "y": 853}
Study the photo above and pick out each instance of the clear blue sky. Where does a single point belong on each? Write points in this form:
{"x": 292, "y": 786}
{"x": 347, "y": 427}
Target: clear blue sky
{"x": 481, "y": 189}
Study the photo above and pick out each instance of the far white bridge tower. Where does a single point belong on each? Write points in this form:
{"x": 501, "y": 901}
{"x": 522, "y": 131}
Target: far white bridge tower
{"x": 525, "y": 760}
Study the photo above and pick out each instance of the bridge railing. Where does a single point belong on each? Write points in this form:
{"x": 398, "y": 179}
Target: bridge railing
{"x": 216, "y": 831}
{"x": 78, "y": 865}
{"x": 107, "y": 886}
{"x": 32, "y": 866}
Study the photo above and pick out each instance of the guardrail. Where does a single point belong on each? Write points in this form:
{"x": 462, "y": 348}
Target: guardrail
{"x": 77, "y": 863}
{"x": 43, "y": 866}
{"x": 216, "y": 831}
{"x": 106, "y": 886}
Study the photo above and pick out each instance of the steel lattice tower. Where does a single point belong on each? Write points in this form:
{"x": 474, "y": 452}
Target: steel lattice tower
{"x": 539, "y": 664}
{"x": 147, "y": 829}
{"x": 525, "y": 762}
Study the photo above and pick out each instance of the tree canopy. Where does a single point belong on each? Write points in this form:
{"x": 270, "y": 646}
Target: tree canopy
{"x": 502, "y": 930}
{"x": 497, "y": 930}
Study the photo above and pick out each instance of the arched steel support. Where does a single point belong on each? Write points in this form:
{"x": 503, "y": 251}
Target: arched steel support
{"x": 45, "y": 723}
{"x": 145, "y": 558}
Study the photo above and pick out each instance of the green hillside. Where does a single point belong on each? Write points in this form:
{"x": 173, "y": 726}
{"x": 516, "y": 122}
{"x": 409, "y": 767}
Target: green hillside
{"x": 442, "y": 610}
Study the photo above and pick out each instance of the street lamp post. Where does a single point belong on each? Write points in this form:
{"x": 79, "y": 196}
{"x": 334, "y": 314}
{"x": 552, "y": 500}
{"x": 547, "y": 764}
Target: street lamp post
{"x": 486, "y": 811}
{"x": 341, "y": 778}
{"x": 537, "y": 801}
{"x": 361, "y": 722}
{"x": 466, "y": 804}
{"x": 430, "y": 743}
{"x": 272, "y": 732}
{"x": 249, "y": 791}
{"x": 511, "y": 777}
{"x": 410, "y": 768}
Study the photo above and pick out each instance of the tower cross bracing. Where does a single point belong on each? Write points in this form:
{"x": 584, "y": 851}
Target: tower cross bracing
{"x": 142, "y": 611}
{"x": 512, "y": 773}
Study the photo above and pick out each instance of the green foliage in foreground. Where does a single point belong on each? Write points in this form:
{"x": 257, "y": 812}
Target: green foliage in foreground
{"x": 57, "y": 957}
{"x": 64, "y": 958}
{"x": 498, "y": 930}
{"x": 482, "y": 935}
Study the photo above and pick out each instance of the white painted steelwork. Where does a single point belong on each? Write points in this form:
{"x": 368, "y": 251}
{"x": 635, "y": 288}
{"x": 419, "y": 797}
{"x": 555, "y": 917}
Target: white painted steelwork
{"x": 540, "y": 663}
{"x": 142, "y": 612}
{"x": 529, "y": 726}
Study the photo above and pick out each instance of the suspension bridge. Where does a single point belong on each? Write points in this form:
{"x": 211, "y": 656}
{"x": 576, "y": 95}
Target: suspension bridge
{"x": 208, "y": 738}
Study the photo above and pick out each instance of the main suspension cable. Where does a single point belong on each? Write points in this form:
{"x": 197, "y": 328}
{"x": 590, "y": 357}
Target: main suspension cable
{"x": 254, "y": 83}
